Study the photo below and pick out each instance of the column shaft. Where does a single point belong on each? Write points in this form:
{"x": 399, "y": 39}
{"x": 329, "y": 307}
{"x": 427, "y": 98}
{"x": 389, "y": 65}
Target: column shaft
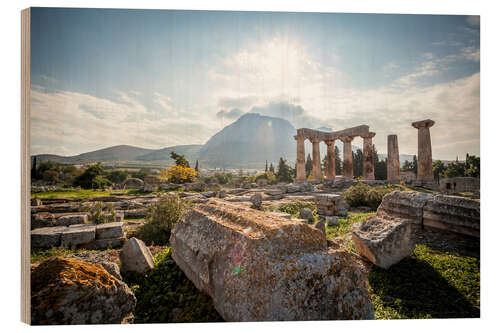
{"x": 368, "y": 169}
{"x": 347, "y": 163}
{"x": 424, "y": 171}
{"x": 316, "y": 168}
{"x": 301, "y": 160}
{"x": 393, "y": 173}
{"x": 330, "y": 160}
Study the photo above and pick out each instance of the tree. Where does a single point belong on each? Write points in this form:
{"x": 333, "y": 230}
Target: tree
{"x": 415, "y": 165}
{"x": 438, "y": 169}
{"x": 357, "y": 163}
{"x": 379, "y": 166}
{"x": 179, "y": 174}
{"x": 117, "y": 176}
{"x": 472, "y": 166}
{"x": 309, "y": 165}
{"x": 338, "y": 161}
{"x": 285, "y": 172}
{"x": 266, "y": 167}
{"x": 271, "y": 168}
{"x": 196, "y": 166}
{"x": 140, "y": 174}
{"x": 86, "y": 179}
{"x": 454, "y": 169}
{"x": 180, "y": 160}
{"x": 33, "y": 169}
{"x": 50, "y": 176}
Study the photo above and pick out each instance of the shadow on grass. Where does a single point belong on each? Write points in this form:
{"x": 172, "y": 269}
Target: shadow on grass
{"x": 414, "y": 289}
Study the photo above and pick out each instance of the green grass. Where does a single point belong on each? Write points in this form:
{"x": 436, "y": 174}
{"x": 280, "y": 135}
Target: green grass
{"x": 71, "y": 193}
{"x": 41, "y": 255}
{"x": 428, "y": 284}
{"x": 166, "y": 295}
{"x": 344, "y": 227}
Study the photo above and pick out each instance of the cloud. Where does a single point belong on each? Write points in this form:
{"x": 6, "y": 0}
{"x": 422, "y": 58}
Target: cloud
{"x": 473, "y": 20}
{"x": 233, "y": 114}
{"x": 70, "y": 123}
{"x": 237, "y": 102}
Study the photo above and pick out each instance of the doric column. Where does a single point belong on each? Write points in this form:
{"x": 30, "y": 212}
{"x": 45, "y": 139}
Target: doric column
{"x": 368, "y": 169}
{"x": 347, "y": 163}
{"x": 316, "y": 167}
{"x": 393, "y": 175}
{"x": 330, "y": 159}
{"x": 424, "y": 171}
{"x": 301, "y": 160}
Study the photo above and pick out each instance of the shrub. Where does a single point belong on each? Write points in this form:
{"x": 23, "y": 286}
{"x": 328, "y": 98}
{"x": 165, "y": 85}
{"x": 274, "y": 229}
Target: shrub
{"x": 161, "y": 218}
{"x": 99, "y": 210}
{"x": 363, "y": 194}
{"x": 166, "y": 295}
{"x": 295, "y": 207}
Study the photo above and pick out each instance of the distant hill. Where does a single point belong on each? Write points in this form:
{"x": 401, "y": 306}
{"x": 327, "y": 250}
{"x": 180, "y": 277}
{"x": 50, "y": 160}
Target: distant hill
{"x": 115, "y": 153}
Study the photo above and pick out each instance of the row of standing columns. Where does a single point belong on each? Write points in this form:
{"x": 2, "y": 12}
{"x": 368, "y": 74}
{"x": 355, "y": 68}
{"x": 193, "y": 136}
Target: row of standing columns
{"x": 368, "y": 168}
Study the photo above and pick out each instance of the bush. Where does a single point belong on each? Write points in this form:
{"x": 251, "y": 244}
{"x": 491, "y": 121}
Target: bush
{"x": 363, "y": 194}
{"x": 99, "y": 210}
{"x": 166, "y": 295}
{"x": 161, "y": 218}
{"x": 295, "y": 207}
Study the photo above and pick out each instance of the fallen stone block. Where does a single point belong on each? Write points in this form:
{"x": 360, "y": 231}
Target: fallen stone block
{"x": 452, "y": 213}
{"x": 72, "y": 237}
{"x": 36, "y": 202}
{"x": 68, "y": 220}
{"x": 404, "y": 204}
{"x": 42, "y": 220}
{"x": 321, "y": 226}
{"x": 256, "y": 201}
{"x": 306, "y": 214}
{"x": 280, "y": 214}
{"x": 70, "y": 291}
{"x": 384, "y": 242}
{"x": 330, "y": 205}
{"x": 332, "y": 221}
{"x": 135, "y": 213}
{"x": 43, "y": 238}
{"x": 257, "y": 266}
{"x": 135, "y": 256}
{"x": 109, "y": 230}
{"x": 106, "y": 243}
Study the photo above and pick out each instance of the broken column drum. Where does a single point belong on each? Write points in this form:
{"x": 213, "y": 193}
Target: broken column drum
{"x": 393, "y": 167}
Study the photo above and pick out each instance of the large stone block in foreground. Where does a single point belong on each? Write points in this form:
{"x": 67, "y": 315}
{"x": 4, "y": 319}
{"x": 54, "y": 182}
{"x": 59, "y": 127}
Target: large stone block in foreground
{"x": 257, "y": 266}
{"x": 383, "y": 241}
{"x": 404, "y": 204}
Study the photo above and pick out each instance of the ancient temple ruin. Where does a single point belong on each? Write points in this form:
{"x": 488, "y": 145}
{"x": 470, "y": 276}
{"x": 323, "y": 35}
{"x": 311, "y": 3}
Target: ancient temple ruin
{"x": 346, "y": 136}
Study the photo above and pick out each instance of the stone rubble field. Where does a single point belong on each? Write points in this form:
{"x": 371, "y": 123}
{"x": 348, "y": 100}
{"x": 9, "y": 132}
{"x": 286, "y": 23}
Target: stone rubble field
{"x": 248, "y": 254}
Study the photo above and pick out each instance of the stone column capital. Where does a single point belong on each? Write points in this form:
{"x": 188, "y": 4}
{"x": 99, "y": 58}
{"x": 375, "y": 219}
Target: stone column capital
{"x": 314, "y": 140}
{"x": 346, "y": 139}
{"x": 330, "y": 142}
{"x": 423, "y": 123}
{"x": 299, "y": 138}
{"x": 368, "y": 135}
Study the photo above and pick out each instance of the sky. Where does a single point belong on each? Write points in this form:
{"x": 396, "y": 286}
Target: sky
{"x": 159, "y": 78}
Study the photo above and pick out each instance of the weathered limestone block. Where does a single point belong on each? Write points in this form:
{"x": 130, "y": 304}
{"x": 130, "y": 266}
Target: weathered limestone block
{"x": 332, "y": 221}
{"x": 222, "y": 194}
{"x": 56, "y": 208}
{"x": 257, "y": 266}
{"x": 70, "y": 291}
{"x": 404, "y": 204}
{"x": 452, "y": 213}
{"x": 321, "y": 226}
{"x": 68, "y": 220}
{"x": 330, "y": 204}
{"x": 72, "y": 237}
{"x": 383, "y": 241}
{"x": 306, "y": 214}
{"x": 42, "y": 220}
{"x": 106, "y": 243}
{"x": 209, "y": 194}
{"x": 101, "y": 258}
{"x": 109, "y": 230}
{"x": 281, "y": 214}
{"x": 135, "y": 213}
{"x": 36, "y": 202}
{"x": 135, "y": 256}
{"x": 256, "y": 201}
{"x": 46, "y": 237}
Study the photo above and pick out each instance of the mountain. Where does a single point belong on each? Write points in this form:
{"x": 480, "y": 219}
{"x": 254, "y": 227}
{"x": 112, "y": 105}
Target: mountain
{"x": 249, "y": 142}
{"x": 191, "y": 152}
